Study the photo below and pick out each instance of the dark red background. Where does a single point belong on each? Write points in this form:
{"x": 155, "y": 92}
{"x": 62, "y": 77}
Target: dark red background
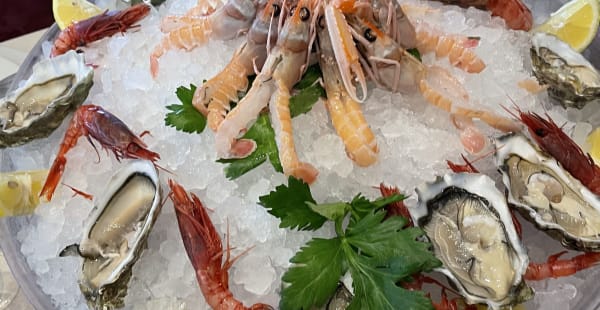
{"x": 19, "y": 17}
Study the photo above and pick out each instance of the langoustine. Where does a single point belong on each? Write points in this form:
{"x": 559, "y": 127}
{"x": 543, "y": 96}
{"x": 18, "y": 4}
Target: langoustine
{"x": 226, "y": 23}
{"x": 214, "y": 96}
{"x": 284, "y": 67}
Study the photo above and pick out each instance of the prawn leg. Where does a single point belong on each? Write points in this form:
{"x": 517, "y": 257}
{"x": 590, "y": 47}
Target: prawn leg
{"x": 555, "y": 268}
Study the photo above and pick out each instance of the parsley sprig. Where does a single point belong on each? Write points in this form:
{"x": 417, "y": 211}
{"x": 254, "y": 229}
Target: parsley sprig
{"x": 184, "y": 117}
{"x": 379, "y": 254}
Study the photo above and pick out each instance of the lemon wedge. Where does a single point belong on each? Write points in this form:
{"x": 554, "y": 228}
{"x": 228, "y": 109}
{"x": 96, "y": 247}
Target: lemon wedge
{"x": 576, "y": 23}
{"x": 19, "y": 191}
{"x": 69, "y": 11}
{"x": 593, "y": 140}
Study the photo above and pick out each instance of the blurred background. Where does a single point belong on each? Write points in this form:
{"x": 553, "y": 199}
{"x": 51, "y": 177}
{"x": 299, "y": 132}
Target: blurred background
{"x": 18, "y": 17}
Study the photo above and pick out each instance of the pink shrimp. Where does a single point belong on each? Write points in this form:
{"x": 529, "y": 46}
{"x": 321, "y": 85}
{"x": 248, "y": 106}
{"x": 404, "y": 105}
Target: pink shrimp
{"x": 205, "y": 251}
{"x": 514, "y": 12}
{"x": 94, "y": 122}
{"x": 555, "y": 268}
{"x": 95, "y": 28}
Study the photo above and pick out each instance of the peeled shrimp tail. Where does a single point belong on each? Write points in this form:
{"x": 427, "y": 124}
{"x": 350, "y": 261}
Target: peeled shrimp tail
{"x": 186, "y": 38}
{"x": 282, "y": 125}
{"x": 453, "y": 47}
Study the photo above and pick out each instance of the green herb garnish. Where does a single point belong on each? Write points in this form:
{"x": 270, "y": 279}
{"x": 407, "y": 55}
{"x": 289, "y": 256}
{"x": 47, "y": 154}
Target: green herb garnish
{"x": 308, "y": 92}
{"x": 415, "y": 52}
{"x": 262, "y": 133}
{"x": 378, "y": 254}
{"x": 184, "y": 116}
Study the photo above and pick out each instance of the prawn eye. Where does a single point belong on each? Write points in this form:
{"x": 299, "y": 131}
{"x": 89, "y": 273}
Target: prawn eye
{"x": 540, "y": 132}
{"x": 304, "y": 14}
{"x": 370, "y": 35}
{"x": 133, "y": 148}
{"x": 276, "y": 10}
{"x": 292, "y": 9}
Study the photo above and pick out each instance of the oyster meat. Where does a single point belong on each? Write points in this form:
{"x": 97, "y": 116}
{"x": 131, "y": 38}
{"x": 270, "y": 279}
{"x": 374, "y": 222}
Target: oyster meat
{"x": 549, "y": 196}
{"x": 116, "y": 234}
{"x": 468, "y": 222}
{"x": 56, "y": 87}
{"x": 573, "y": 80}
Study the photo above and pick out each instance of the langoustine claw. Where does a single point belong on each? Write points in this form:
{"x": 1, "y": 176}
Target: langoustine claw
{"x": 95, "y": 28}
{"x": 205, "y": 251}
{"x": 93, "y": 121}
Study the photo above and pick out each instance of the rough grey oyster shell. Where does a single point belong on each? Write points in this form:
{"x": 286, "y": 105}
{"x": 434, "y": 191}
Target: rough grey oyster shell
{"x": 56, "y": 87}
{"x": 467, "y": 220}
{"x": 573, "y": 80}
{"x": 116, "y": 234}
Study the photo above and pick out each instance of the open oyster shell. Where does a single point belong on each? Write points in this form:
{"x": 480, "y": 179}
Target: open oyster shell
{"x": 56, "y": 87}
{"x": 468, "y": 222}
{"x": 549, "y": 196}
{"x": 572, "y": 79}
{"x": 116, "y": 234}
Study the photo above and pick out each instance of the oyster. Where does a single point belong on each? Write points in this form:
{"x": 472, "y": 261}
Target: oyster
{"x": 572, "y": 79}
{"x": 56, "y": 87}
{"x": 116, "y": 234}
{"x": 467, "y": 220}
{"x": 549, "y": 196}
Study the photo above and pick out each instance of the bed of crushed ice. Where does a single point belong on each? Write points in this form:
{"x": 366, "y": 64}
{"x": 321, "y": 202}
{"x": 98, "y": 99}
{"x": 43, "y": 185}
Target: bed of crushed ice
{"x": 414, "y": 139}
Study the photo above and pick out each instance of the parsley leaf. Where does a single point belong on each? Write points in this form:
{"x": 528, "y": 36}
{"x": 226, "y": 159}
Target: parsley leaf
{"x": 415, "y": 52}
{"x": 378, "y": 253}
{"x": 264, "y": 136}
{"x": 184, "y": 116}
{"x": 288, "y": 203}
{"x": 309, "y": 91}
{"x": 314, "y": 278}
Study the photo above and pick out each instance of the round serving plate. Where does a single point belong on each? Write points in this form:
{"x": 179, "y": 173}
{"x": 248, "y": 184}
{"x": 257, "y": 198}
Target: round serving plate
{"x": 11, "y": 225}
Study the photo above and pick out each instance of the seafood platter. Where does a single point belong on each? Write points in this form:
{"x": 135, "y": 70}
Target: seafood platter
{"x": 310, "y": 154}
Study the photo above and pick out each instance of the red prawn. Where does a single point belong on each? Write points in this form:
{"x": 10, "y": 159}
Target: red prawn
{"x": 555, "y": 268}
{"x": 554, "y": 141}
{"x": 205, "y": 251}
{"x": 94, "y": 122}
{"x": 97, "y": 27}
{"x": 514, "y": 12}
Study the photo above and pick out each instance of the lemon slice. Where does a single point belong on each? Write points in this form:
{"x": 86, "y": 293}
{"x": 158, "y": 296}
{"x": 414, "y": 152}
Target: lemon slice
{"x": 576, "y": 23}
{"x": 593, "y": 140}
{"x": 19, "y": 191}
{"x": 69, "y": 11}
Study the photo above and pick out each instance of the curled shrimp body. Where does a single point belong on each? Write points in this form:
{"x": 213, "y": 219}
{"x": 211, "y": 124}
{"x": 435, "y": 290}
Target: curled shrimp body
{"x": 205, "y": 251}
{"x": 214, "y": 97}
{"x": 226, "y": 23}
{"x": 283, "y": 68}
{"x": 203, "y": 8}
{"x": 346, "y": 115}
{"x": 93, "y": 121}
{"x": 555, "y": 268}
{"x": 456, "y": 48}
{"x": 97, "y": 27}
{"x": 554, "y": 141}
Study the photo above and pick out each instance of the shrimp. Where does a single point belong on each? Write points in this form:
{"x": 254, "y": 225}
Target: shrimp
{"x": 514, "y": 12}
{"x": 554, "y": 141}
{"x": 93, "y": 121}
{"x": 205, "y": 251}
{"x": 456, "y": 48}
{"x": 346, "y": 115}
{"x": 97, "y": 27}
{"x": 395, "y": 23}
{"x": 203, "y": 8}
{"x": 226, "y": 23}
{"x": 395, "y": 208}
{"x": 218, "y": 92}
{"x": 555, "y": 268}
{"x": 283, "y": 67}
